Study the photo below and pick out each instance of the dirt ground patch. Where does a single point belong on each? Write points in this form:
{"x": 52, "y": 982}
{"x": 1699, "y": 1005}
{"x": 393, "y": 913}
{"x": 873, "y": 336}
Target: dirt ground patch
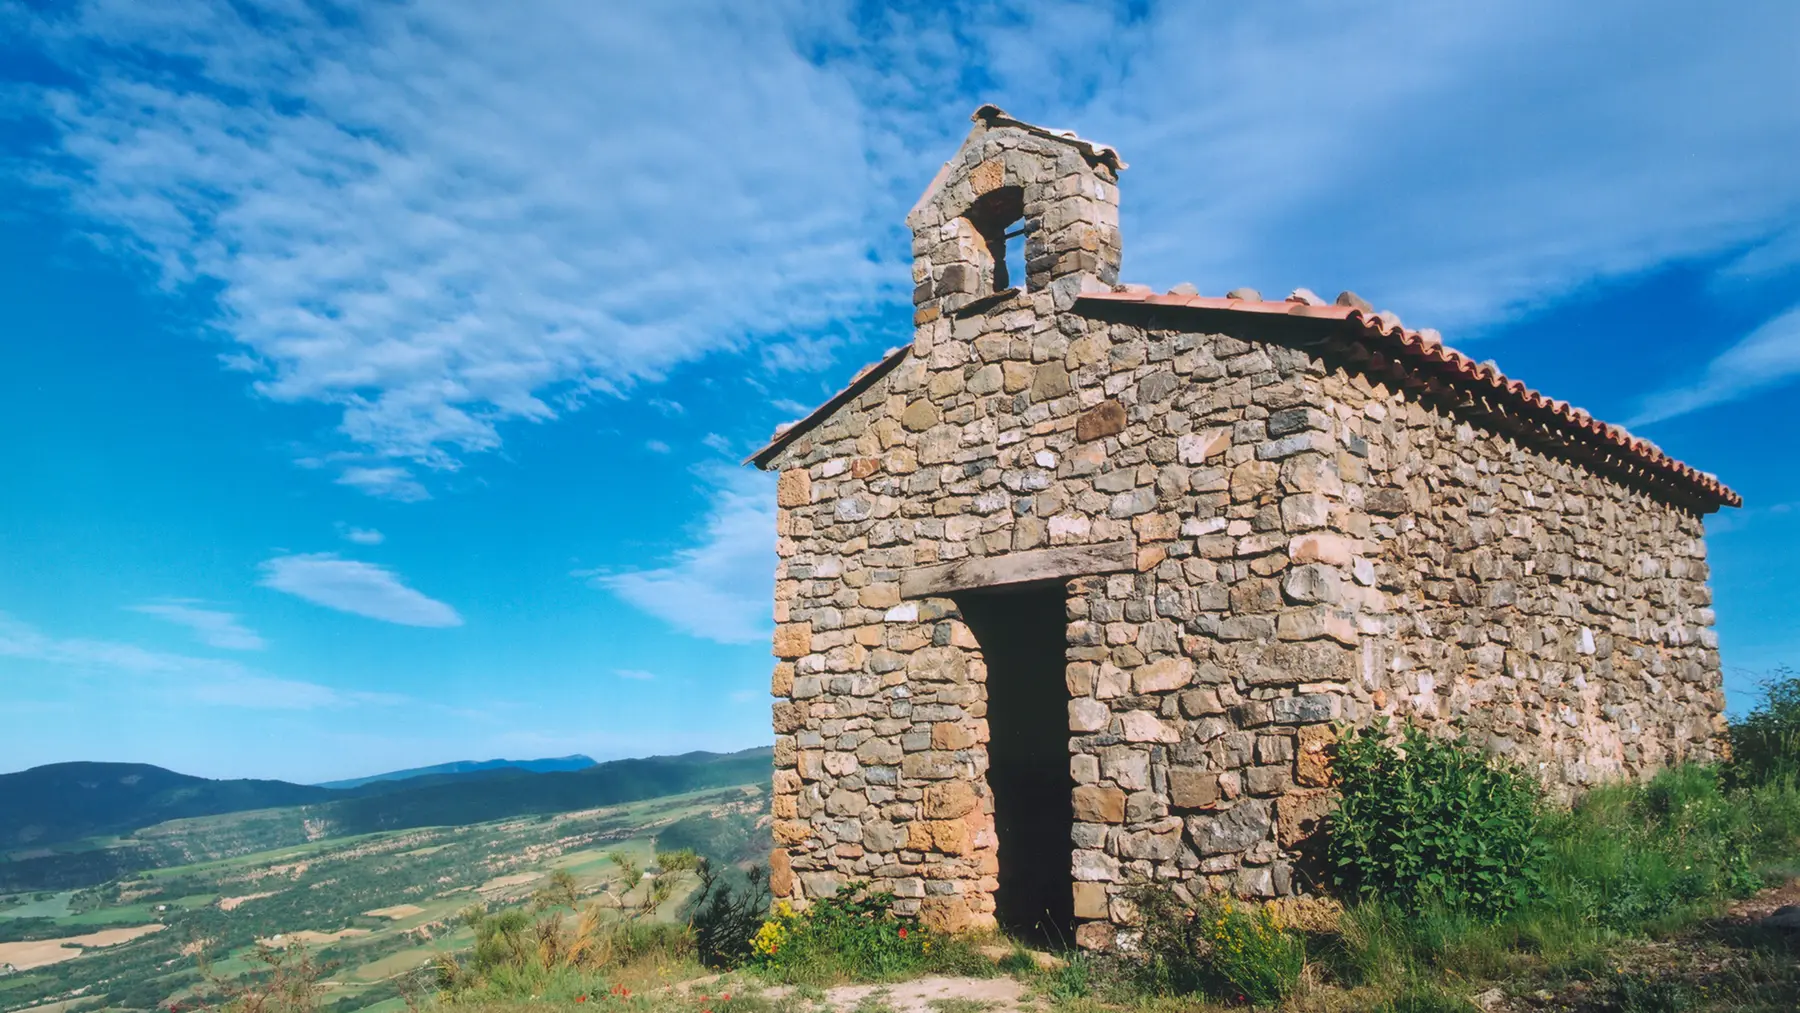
{"x": 397, "y": 912}
{"x": 43, "y": 952}
{"x": 311, "y": 938}
{"x": 924, "y": 995}
{"x": 56, "y": 1007}
{"x": 228, "y": 903}
{"x": 508, "y": 882}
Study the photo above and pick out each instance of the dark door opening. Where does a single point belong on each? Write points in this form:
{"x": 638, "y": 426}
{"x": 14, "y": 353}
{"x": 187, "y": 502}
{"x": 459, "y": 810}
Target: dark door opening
{"x": 1023, "y": 636}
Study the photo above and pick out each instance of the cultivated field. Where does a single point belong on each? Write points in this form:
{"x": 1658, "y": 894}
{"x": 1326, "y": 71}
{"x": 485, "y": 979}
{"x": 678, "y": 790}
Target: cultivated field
{"x": 375, "y": 908}
{"x": 43, "y": 952}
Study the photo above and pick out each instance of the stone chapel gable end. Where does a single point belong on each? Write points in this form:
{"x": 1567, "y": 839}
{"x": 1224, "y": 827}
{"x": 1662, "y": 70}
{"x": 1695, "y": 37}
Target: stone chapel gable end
{"x": 1075, "y": 588}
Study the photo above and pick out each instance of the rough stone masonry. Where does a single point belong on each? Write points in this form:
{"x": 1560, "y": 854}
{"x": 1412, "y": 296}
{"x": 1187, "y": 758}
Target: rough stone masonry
{"x": 1271, "y": 517}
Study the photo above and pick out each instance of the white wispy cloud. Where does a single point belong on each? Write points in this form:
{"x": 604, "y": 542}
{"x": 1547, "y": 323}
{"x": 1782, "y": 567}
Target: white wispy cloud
{"x": 719, "y": 588}
{"x": 361, "y": 536}
{"x": 216, "y": 681}
{"x": 716, "y": 442}
{"x": 439, "y": 218}
{"x": 214, "y": 628}
{"x": 1766, "y": 357}
{"x": 409, "y": 211}
{"x": 656, "y": 446}
{"x": 387, "y": 481}
{"x": 359, "y": 588}
{"x": 1459, "y": 164}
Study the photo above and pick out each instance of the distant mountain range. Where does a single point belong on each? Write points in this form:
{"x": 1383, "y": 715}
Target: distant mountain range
{"x": 576, "y": 762}
{"x": 64, "y": 801}
{"x": 53, "y": 805}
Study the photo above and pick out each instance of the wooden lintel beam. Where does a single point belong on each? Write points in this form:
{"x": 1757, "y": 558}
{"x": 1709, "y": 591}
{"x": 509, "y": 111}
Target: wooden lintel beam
{"x": 1063, "y": 562}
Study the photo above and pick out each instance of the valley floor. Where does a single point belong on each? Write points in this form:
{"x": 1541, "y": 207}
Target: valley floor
{"x": 374, "y": 909}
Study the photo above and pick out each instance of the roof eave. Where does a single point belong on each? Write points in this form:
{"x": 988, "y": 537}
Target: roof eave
{"x": 1426, "y": 355}
{"x": 859, "y": 383}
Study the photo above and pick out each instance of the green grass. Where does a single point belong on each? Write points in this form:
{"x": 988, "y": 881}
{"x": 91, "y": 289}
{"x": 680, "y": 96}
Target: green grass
{"x": 52, "y": 907}
{"x": 1629, "y": 864}
{"x": 136, "y": 913}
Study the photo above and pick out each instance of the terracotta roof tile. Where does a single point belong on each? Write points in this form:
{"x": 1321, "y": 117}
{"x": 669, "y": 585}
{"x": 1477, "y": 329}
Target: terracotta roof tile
{"x": 1423, "y": 353}
{"x": 1387, "y": 345}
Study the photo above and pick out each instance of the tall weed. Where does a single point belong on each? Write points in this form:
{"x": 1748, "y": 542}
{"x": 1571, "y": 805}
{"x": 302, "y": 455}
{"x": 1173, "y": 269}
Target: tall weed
{"x": 559, "y": 947}
{"x": 1648, "y": 856}
{"x": 854, "y": 935}
{"x": 289, "y": 980}
{"x": 1217, "y": 947}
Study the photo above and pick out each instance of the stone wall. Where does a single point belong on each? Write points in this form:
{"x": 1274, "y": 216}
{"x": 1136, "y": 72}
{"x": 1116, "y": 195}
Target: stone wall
{"x": 1309, "y": 548}
{"x": 1554, "y": 616}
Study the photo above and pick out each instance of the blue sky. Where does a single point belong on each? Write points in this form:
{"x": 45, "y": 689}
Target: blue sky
{"x": 376, "y": 375}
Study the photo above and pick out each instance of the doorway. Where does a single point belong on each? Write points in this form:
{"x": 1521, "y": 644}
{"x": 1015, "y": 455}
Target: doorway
{"x": 1023, "y": 637}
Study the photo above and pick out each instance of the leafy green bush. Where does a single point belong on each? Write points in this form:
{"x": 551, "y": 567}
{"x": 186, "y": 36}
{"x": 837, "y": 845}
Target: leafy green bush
{"x": 1765, "y": 744}
{"x": 726, "y": 912}
{"x": 854, "y": 934}
{"x": 1430, "y": 822}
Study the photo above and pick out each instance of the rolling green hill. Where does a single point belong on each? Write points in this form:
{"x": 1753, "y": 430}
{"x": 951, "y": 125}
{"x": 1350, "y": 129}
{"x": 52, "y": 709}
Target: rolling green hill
{"x": 516, "y": 793}
{"x": 65, "y": 801}
{"x": 73, "y": 843}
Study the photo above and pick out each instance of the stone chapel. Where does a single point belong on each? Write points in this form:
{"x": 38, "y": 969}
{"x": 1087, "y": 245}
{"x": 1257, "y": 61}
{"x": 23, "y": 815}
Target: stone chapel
{"x": 1077, "y": 587}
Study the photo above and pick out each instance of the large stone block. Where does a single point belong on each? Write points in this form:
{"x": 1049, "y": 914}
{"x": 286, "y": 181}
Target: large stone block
{"x": 1301, "y": 814}
{"x": 1051, "y": 381}
{"x": 1233, "y": 830}
{"x": 793, "y": 640}
{"x": 1191, "y": 788}
{"x": 1104, "y": 419}
{"x": 952, "y": 837}
{"x": 949, "y": 800}
{"x": 1096, "y": 803}
{"x": 1086, "y": 715}
{"x": 781, "y": 873}
{"x": 1090, "y": 900}
{"x": 793, "y": 488}
{"x": 1143, "y": 726}
{"x": 1312, "y": 756}
{"x": 1200, "y": 447}
{"x": 949, "y": 914}
{"x": 1163, "y": 675}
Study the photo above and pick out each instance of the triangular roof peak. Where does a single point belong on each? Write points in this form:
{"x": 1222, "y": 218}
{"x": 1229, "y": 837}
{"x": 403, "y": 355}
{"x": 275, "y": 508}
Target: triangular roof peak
{"x": 990, "y": 117}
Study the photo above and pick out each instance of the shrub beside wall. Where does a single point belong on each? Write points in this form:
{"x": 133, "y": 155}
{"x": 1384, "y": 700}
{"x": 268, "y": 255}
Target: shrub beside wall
{"x": 1424, "y": 822}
